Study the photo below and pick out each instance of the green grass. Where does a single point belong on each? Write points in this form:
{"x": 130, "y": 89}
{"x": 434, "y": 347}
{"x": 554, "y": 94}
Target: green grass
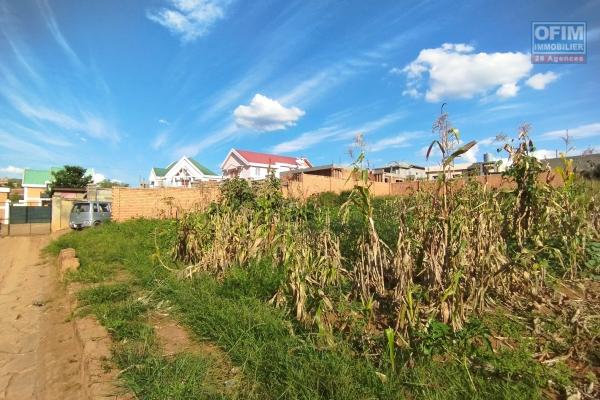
{"x": 156, "y": 377}
{"x": 278, "y": 359}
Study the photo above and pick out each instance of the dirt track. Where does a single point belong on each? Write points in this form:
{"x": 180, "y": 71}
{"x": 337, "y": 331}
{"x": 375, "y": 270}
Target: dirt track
{"x": 40, "y": 357}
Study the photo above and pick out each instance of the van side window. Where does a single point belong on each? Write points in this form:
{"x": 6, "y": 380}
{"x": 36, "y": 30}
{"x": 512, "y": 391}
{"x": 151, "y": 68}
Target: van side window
{"x": 104, "y": 207}
{"x": 81, "y": 207}
{"x": 95, "y": 207}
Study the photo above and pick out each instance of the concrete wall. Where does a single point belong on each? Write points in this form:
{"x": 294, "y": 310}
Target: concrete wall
{"x": 161, "y": 202}
{"x": 100, "y": 194}
{"x": 4, "y": 212}
{"x": 61, "y": 210}
{"x": 32, "y": 196}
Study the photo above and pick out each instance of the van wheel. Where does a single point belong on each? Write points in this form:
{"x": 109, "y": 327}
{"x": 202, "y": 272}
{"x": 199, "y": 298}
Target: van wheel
{"x": 96, "y": 223}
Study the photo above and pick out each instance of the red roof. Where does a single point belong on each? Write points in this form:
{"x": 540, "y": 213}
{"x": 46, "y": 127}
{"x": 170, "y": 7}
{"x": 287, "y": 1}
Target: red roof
{"x": 264, "y": 158}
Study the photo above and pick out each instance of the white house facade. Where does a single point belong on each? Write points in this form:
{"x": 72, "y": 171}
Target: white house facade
{"x": 255, "y": 166}
{"x": 182, "y": 173}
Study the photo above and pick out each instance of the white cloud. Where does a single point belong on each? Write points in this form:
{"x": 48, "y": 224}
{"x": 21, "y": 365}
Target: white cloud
{"x": 542, "y": 154}
{"x": 159, "y": 140}
{"x": 412, "y": 92}
{"x": 539, "y": 81}
{"x": 311, "y": 88}
{"x": 25, "y": 148}
{"x": 486, "y": 141}
{"x": 396, "y": 71}
{"x": 98, "y": 177}
{"x": 57, "y": 34}
{"x": 11, "y": 170}
{"x": 87, "y": 123}
{"x": 332, "y": 133}
{"x": 454, "y": 70}
{"x": 189, "y": 19}
{"x": 163, "y": 121}
{"x": 265, "y": 114}
{"x": 392, "y": 142}
{"x": 306, "y": 140}
{"x": 508, "y": 90}
{"x": 580, "y": 132}
{"x": 221, "y": 136}
{"x": 472, "y": 155}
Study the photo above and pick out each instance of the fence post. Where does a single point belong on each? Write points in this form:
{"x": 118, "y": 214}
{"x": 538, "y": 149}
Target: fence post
{"x": 6, "y": 216}
{"x": 7, "y": 211}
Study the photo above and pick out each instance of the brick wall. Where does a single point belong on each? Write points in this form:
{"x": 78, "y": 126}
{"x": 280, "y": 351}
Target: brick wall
{"x": 161, "y": 202}
{"x": 490, "y": 181}
{"x": 169, "y": 202}
{"x": 305, "y": 185}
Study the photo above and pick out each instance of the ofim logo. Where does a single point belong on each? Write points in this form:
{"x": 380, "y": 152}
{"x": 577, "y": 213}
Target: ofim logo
{"x": 558, "y": 42}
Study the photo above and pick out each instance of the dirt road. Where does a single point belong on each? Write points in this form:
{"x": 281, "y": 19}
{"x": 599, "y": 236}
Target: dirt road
{"x": 40, "y": 357}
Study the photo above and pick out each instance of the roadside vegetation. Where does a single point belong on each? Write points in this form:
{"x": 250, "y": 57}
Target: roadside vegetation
{"x": 458, "y": 292}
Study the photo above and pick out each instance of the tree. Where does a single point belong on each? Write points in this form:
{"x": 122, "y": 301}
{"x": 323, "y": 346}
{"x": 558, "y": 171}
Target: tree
{"x": 70, "y": 176}
{"x": 107, "y": 184}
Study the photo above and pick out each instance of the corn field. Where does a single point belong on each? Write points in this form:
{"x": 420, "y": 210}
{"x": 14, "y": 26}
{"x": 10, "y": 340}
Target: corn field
{"x": 455, "y": 252}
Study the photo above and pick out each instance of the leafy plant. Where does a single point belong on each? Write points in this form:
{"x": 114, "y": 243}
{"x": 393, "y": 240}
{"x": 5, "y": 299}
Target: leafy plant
{"x": 70, "y": 176}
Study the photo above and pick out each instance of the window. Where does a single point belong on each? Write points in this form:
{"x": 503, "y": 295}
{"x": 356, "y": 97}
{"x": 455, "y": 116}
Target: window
{"x": 104, "y": 207}
{"x": 95, "y": 207}
{"x": 257, "y": 171}
{"x": 81, "y": 207}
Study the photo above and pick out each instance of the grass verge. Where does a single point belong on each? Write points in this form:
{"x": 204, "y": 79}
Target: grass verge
{"x": 278, "y": 359}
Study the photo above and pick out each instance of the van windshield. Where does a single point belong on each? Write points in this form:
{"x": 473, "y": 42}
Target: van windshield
{"x": 81, "y": 207}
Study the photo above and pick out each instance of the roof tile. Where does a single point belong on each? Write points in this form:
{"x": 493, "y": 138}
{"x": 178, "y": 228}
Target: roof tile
{"x": 265, "y": 158}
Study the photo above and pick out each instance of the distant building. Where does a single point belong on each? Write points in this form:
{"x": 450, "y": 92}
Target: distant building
{"x": 399, "y": 171}
{"x": 480, "y": 168}
{"x": 182, "y": 173}
{"x": 254, "y": 165}
{"x": 4, "y": 191}
{"x": 35, "y": 185}
{"x": 581, "y": 163}
{"x": 329, "y": 171}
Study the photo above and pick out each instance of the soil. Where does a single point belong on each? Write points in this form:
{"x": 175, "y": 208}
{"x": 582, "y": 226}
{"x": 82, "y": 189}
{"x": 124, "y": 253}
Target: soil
{"x": 41, "y": 356}
{"x": 174, "y": 339}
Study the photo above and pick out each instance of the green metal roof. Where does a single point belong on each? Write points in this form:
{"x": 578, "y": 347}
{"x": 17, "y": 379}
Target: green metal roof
{"x": 36, "y": 176}
{"x": 160, "y": 171}
{"x": 201, "y": 167}
{"x": 44, "y": 176}
{"x": 163, "y": 171}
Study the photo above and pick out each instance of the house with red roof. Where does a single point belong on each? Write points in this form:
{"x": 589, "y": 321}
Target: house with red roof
{"x": 254, "y": 165}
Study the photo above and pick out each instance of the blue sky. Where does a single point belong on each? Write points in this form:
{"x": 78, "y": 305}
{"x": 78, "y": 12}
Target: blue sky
{"x": 121, "y": 86}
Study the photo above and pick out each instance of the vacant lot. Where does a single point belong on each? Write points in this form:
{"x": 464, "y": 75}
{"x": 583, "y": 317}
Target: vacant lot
{"x": 243, "y": 346}
{"x": 459, "y": 292}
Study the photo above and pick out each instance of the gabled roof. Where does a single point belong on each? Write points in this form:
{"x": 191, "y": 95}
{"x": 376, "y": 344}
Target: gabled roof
{"x": 265, "y": 158}
{"x": 38, "y": 176}
{"x": 160, "y": 172}
{"x": 44, "y": 176}
{"x": 201, "y": 167}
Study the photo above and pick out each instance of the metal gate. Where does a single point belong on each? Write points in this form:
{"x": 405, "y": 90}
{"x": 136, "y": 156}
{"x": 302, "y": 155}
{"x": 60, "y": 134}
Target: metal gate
{"x": 29, "y": 220}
